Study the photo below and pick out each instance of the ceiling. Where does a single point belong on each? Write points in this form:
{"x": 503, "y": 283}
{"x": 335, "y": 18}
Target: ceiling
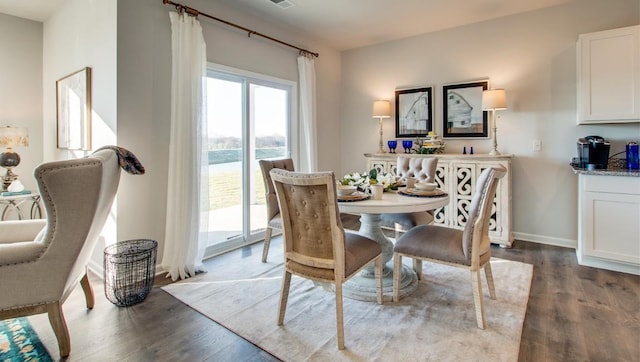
{"x": 345, "y": 24}
{"x": 38, "y": 10}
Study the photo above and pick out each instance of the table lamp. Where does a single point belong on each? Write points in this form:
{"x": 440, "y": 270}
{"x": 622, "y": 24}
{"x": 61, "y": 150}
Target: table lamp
{"x": 493, "y": 100}
{"x": 381, "y": 110}
{"x": 11, "y": 137}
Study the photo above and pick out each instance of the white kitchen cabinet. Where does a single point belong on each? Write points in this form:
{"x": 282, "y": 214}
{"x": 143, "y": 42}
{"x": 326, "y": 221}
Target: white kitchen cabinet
{"x": 609, "y": 222}
{"x": 457, "y": 175}
{"x": 609, "y": 76}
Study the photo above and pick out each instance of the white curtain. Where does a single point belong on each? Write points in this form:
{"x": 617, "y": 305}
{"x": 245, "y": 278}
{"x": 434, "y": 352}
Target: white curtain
{"x": 187, "y": 191}
{"x": 308, "y": 146}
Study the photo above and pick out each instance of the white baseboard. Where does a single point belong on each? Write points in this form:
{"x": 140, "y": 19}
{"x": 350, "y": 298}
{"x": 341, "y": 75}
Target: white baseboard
{"x": 98, "y": 269}
{"x": 548, "y": 240}
{"x": 608, "y": 264}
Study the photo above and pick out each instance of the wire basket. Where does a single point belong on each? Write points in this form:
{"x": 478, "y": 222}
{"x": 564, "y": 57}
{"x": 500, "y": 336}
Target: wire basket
{"x": 129, "y": 270}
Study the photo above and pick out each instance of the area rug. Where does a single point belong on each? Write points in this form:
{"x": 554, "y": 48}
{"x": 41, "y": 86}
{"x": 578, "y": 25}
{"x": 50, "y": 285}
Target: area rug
{"x": 436, "y": 323}
{"x": 19, "y": 342}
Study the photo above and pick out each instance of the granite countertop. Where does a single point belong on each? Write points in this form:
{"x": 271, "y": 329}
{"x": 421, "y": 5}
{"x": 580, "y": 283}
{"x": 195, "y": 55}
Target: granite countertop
{"x": 616, "y": 167}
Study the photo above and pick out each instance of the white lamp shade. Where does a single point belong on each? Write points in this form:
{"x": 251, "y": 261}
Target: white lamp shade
{"x": 14, "y": 136}
{"x": 381, "y": 109}
{"x": 494, "y": 99}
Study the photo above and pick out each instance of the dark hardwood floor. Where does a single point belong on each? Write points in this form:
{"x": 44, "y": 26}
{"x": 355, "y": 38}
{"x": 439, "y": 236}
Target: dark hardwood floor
{"x": 574, "y": 313}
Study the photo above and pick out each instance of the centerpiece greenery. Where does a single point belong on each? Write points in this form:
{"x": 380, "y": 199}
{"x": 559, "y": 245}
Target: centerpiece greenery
{"x": 364, "y": 180}
{"x": 428, "y": 146}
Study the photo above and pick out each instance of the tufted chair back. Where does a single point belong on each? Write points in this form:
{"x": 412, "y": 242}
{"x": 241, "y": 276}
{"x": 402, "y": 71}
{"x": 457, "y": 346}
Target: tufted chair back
{"x": 423, "y": 169}
{"x": 476, "y": 230}
{"x": 274, "y": 219}
{"x": 310, "y": 219}
{"x": 270, "y": 191}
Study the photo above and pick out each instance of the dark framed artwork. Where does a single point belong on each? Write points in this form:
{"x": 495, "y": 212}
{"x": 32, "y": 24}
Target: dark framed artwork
{"x": 414, "y": 112}
{"x": 462, "y": 114}
{"x": 73, "y": 110}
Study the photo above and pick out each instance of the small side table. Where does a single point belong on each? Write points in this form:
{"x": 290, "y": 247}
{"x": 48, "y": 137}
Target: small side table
{"x": 13, "y": 203}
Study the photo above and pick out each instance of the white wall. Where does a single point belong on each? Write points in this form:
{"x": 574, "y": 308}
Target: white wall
{"x": 82, "y": 34}
{"x": 144, "y": 76}
{"x": 21, "y": 88}
{"x": 533, "y": 57}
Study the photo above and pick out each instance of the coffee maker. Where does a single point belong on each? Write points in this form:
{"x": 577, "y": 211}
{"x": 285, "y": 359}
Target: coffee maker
{"x": 593, "y": 152}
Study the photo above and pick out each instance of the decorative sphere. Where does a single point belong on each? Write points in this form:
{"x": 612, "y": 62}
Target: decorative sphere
{"x": 9, "y": 159}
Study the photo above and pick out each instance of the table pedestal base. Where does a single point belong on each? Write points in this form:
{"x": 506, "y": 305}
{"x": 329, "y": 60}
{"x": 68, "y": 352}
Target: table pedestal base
{"x": 363, "y": 286}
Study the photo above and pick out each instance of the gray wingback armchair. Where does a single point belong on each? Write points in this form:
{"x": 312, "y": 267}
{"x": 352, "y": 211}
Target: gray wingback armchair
{"x": 41, "y": 261}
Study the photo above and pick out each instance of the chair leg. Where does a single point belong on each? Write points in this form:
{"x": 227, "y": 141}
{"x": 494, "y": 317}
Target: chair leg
{"x": 339, "y": 315}
{"x": 378, "y": 275}
{"x": 88, "y": 291}
{"x": 397, "y": 229}
{"x": 284, "y": 296}
{"x": 56, "y": 318}
{"x": 417, "y": 267}
{"x": 397, "y": 271}
{"x": 267, "y": 241}
{"x": 478, "y": 298}
{"x": 489, "y": 275}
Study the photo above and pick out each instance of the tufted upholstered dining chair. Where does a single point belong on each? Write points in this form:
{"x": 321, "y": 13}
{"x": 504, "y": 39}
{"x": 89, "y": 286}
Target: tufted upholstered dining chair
{"x": 273, "y": 212}
{"x": 316, "y": 246}
{"x": 424, "y": 170}
{"x": 469, "y": 248}
{"x": 41, "y": 261}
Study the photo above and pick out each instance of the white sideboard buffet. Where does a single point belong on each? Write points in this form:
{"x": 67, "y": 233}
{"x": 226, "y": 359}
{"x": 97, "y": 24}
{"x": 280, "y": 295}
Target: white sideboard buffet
{"x": 457, "y": 175}
{"x": 609, "y": 220}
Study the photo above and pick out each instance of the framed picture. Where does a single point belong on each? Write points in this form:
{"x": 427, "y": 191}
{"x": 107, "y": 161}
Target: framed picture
{"x": 73, "y": 110}
{"x": 462, "y": 114}
{"x": 414, "y": 112}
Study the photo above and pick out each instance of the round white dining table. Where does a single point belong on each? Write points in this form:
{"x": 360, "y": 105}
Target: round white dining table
{"x": 362, "y": 286}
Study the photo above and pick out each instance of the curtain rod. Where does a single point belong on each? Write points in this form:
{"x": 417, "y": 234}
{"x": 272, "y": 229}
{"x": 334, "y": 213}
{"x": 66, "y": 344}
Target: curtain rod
{"x": 194, "y": 12}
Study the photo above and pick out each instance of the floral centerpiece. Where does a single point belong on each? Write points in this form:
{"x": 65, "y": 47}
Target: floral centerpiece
{"x": 364, "y": 180}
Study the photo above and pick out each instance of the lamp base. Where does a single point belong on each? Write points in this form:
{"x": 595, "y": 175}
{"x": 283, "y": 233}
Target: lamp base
{"x": 494, "y": 147}
{"x": 9, "y": 159}
{"x": 8, "y": 178}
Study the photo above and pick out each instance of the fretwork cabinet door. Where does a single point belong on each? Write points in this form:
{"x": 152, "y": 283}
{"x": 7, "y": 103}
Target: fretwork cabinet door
{"x": 383, "y": 165}
{"x": 441, "y": 215}
{"x": 463, "y": 179}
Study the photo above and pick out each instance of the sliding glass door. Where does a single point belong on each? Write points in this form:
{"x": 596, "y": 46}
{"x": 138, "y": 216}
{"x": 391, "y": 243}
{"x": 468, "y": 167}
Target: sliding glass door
{"x": 249, "y": 118}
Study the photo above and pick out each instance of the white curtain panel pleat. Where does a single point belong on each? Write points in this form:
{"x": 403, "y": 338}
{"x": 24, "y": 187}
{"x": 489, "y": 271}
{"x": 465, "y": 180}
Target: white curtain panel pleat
{"x": 308, "y": 146}
{"x": 187, "y": 190}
